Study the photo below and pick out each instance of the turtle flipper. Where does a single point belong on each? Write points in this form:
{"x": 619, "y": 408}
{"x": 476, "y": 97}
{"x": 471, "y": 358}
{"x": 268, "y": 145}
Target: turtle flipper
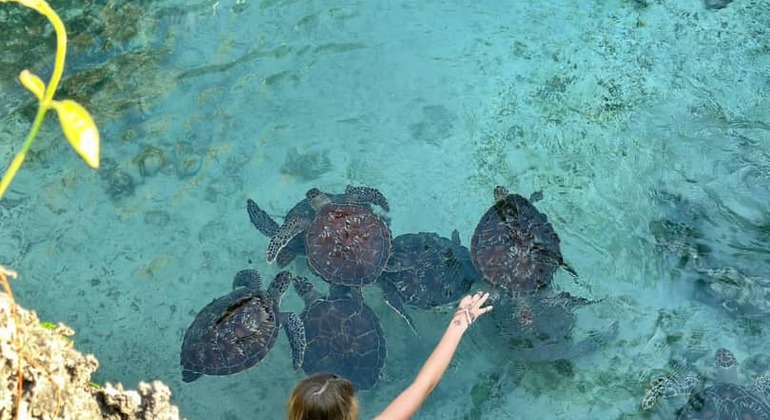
{"x": 392, "y": 299}
{"x": 668, "y": 386}
{"x": 290, "y": 229}
{"x": 761, "y": 386}
{"x": 285, "y": 256}
{"x": 456, "y": 237}
{"x": 295, "y": 331}
{"x": 367, "y": 195}
{"x": 261, "y": 220}
{"x": 305, "y": 290}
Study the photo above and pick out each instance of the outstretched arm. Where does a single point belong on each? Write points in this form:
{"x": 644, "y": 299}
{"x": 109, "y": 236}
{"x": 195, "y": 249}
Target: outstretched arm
{"x": 410, "y": 400}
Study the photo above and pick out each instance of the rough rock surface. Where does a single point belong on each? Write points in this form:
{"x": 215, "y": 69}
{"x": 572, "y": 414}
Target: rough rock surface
{"x": 56, "y": 377}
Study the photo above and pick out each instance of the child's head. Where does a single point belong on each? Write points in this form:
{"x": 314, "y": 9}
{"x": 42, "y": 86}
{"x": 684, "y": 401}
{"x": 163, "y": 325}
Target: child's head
{"x": 323, "y": 396}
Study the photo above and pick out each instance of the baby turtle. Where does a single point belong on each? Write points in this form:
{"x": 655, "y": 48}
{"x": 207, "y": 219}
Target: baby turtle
{"x": 338, "y": 334}
{"x": 514, "y": 246}
{"x": 305, "y": 212}
{"x": 236, "y": 331}
{"x": 426, "y": 271}
{"x": 542, "y": 331}
{"x": 725, "y": 399}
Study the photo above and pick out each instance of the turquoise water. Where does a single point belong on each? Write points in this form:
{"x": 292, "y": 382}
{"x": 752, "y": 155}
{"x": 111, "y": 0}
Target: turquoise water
{"x": 600, "y": 104}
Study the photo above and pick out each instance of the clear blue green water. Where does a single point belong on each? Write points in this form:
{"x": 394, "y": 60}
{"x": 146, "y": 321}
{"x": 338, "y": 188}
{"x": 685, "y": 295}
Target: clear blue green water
{"x": 600, "y": 104}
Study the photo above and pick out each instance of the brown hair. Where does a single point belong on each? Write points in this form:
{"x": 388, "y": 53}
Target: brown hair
{"x": 323, "y": 396}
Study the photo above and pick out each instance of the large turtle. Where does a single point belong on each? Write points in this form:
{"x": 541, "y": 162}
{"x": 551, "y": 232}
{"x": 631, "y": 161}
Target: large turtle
{"x": 236, "y": 331}
{"x": 724, "y": 399}
{"x": 426, "y": 271}
{"x": 346, "y": 243}
{"x": 514, "y": 247}
{"x": 339, "y": 334}
{"x": 544, "y": 330}
{"x": 304, "y": 211}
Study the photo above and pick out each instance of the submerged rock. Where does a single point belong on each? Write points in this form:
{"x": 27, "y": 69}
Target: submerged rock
{"x": 57, "y": 378}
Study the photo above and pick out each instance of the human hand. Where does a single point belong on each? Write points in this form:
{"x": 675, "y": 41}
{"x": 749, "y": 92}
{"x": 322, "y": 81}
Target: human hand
{"x": 470, "y": 308}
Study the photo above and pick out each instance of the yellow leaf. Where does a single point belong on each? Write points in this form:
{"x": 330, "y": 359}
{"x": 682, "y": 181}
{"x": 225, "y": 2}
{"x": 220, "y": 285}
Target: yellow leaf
{"x": 80, "y": 130}
{"x": 32, "y": 83}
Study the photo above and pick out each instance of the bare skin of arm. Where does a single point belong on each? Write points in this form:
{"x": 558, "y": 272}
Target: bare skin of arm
{"x": 410, "y": 400}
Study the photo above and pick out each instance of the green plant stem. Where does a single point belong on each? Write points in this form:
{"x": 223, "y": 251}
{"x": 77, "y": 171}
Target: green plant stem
{"x": 61, "y": 51}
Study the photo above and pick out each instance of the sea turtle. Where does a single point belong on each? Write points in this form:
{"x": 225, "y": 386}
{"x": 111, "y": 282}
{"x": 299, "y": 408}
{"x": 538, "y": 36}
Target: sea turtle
{"x": 338, "y": 334}
{"x": 514, "y": 247}
{"x": 543, "y": 331}
{"x": 304, "y": 211}
{"x": 714, "y": 273}
{"x": 426, "y": 270}
{"x": 238, "y": 330}
{"x": 724, "y": 399}
{"x": 346, "y": 243}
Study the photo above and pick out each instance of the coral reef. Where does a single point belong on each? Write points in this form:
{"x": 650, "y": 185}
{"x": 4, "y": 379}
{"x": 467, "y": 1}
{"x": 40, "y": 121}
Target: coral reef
{"x": 57, "y": 378}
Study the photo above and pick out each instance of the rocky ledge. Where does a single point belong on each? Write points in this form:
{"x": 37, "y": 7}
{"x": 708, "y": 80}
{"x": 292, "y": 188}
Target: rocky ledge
{"x": 57, "y": 378}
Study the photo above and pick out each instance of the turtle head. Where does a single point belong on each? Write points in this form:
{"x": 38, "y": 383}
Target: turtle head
{"x": 279, "y": 285}
{"x": 248, "y": 278}
{"x": 726, "y": 366}
{"x": 317, "y": 198}
{"x": 500, "y": 193}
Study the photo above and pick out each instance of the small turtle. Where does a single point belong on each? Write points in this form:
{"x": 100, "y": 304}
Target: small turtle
{"x": 426, "y": 270}
{"x": 338, "y": 334}
{"x": 304, "y": 211}
{"x": 724, "y": 399}
{"x": 514, "y": 246}
{"x": 542, "y": 331}
{"x": 236, "y": 331}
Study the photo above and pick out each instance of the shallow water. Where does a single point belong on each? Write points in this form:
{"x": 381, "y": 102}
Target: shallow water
{"x": 600, "y": 104}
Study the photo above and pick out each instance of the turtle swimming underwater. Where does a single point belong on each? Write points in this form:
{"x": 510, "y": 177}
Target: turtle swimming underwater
{"x": 514, "y": 247}
{"x": 304, "y": 211}
{"x": 426, "y": 270}
{"x": 338, "y": 334}
{"x": 543, "y": 331}
{"x": 714, "y": 280}
{"x": 346, "y": 243}
{"x": 724, "y": 399}
{"x": 236, "y": 331}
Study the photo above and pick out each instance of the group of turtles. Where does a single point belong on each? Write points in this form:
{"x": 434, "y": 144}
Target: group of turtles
{"x": 346, "y": 240}
{"x": 682, "y": 233}
{"x": 721, "y": 397}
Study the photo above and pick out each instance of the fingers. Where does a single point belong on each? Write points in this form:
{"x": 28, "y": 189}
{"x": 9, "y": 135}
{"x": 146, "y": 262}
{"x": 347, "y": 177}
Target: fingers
{"x": 475, "y": 303}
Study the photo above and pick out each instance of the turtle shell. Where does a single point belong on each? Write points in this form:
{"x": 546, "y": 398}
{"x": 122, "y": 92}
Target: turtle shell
{"x": 347, "y": 244}
{"x": 344, "y": 337}
{"x": 725, "y": 400}
{"x": 232, "y": 333}
{"x": 428, "y": 270}
{"x": 514, "y": 247}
